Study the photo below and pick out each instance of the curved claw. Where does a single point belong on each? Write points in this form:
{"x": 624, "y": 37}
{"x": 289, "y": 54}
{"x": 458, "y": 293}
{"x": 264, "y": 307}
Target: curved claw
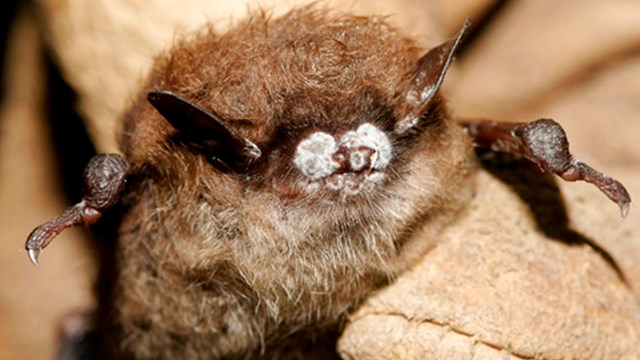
{"x": 104, "y": 179}
{"x": 624, "y": 209}
{"x": 33, "y": 256}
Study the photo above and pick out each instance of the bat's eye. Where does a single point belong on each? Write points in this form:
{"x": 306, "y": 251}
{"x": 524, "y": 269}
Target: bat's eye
{"x": 349, "y": 163}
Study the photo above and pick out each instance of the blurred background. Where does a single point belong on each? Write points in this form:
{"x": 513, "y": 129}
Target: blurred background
{"x": 69, "y": 67}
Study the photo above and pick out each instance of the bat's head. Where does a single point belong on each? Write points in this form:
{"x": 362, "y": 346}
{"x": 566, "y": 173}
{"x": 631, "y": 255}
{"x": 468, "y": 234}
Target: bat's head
{"x": 310, "y": 110}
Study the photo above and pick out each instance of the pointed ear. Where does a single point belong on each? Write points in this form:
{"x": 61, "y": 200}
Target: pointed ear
{"x": 425, "y": 80}
{"x": 204, "y": 130}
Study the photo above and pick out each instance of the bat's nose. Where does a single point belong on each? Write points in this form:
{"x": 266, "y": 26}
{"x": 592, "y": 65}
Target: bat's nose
{"x": 361, "y": 158}
{"x": 367, "y": 148}
{"x": 357, "y": 151}
{"x": 355, "y": 159}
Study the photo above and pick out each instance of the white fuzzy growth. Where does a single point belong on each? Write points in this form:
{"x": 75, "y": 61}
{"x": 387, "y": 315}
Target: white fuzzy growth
{"x": 352, "y": 186}
{"x": 310, "y": 187}
{"x": 358, "y": 160}
{"x": 314, "y": 156}
{"x": 406, "y": 124}
{"x": 427, "y": 93}
{"x": 335, "y": 183}
{"x": 375, "y": 177}
{"x": 319, "y": 156}
{"x": 415, "y": 99}
{"x": 412, "y": 96}
{"x": 252, "y": 149}
{"x": 370, "y": 137}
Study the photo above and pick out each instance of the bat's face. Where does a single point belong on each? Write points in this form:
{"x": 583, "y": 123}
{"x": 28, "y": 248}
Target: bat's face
{"x": 334, "y": 153}
{"x": 340, "y": 121}
{"x": 332, "y": 128}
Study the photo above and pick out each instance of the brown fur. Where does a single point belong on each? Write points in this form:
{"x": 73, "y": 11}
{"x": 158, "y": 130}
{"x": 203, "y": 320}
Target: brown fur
{"x": 218, "y": 264}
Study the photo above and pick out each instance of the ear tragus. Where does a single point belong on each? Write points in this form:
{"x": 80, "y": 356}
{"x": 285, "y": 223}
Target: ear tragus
{"x": 204, "y": 129}
{"x": 425, "y": 81}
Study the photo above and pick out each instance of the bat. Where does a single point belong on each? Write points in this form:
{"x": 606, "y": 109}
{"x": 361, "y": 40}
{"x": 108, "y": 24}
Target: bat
{"x": 272, "y": 177}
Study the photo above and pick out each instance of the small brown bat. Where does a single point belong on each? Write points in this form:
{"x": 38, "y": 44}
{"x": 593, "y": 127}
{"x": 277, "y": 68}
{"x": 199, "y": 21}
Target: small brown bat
{"x": 275, "y": 175}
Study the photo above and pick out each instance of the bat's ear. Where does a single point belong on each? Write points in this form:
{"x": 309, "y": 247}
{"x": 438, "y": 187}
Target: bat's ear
{"x": 425, "y": 80}
{"x": 204, "y": 130}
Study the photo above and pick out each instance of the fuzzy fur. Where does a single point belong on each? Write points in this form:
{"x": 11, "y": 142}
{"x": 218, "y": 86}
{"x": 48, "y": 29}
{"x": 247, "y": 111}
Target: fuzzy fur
{"x": 213, "y": 263}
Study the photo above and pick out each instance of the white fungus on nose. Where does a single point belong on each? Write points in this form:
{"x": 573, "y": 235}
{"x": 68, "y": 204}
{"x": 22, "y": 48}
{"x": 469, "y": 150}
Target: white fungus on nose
{"x": 366, "y": 147}
{"x": 314, "y": 155}
{"x": 367, "y": 139}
